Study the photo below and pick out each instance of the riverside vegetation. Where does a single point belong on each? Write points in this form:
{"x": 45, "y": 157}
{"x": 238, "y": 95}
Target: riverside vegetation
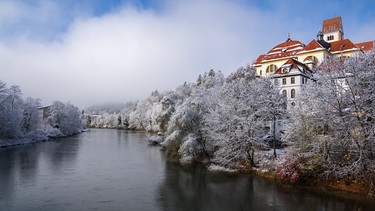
{"x": 327, "y": 136}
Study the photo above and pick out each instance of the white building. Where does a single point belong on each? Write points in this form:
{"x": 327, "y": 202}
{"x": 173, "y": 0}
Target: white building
{"x": 292, "y": 63}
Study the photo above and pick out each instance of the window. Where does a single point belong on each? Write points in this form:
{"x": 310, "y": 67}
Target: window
{"x": 313, "y": 60}
{"x": 260, "y": 72}
{"x": 293, "y": 93}
{"x": 284, "y": 93}
{"x": 284, "y": 81}
{"x": 271, "y": 68}
{"x": 330, "y": 37}
{"x": 303, "y": 80}
{"x": 344, "y": 57}
{"x": 292, "y": 80}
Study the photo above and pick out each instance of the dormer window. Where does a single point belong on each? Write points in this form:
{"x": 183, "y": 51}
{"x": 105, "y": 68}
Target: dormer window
{"x": 285, "y": 70}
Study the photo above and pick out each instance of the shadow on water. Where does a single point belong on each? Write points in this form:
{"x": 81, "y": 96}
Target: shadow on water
{"x": 193, "y": 188}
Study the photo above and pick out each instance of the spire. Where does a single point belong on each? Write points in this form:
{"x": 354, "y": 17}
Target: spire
{"x": 289, "y": 37}
{"x": 319, "y": 36}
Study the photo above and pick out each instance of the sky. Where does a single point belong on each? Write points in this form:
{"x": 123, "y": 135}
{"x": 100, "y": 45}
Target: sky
{"x": 91, "y": 52}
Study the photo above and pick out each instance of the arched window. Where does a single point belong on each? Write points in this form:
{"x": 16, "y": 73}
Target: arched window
{"x": 313, "y": 59}
{"x": 284, "y": 93}
{"x": 293, "y": 93}
{"x": 271, "y": 68}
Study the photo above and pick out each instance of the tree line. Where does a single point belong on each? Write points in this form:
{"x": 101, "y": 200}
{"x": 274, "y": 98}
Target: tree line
{"x": 20, "y": 119}
{"x": 327, "y": 133}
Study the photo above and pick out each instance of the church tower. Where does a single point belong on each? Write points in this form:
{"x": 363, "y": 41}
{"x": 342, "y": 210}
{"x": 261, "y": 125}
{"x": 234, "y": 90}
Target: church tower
{"x": 332, "y": 29}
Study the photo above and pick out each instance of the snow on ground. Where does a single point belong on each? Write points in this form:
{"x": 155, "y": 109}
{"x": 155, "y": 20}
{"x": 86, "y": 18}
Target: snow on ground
{"x": 217, "y": 168}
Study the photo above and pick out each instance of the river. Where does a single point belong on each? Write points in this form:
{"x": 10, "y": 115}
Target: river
{"x": 107, "y": 169}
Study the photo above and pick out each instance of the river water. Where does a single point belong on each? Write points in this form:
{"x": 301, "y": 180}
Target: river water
{"x": 118, "y": 170}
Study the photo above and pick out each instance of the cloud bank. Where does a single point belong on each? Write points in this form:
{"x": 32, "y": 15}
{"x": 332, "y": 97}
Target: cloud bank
{"x": 130, "y": 52}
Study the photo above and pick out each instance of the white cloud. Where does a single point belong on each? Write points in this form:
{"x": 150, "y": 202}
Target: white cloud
{"x": 130, "y": 52}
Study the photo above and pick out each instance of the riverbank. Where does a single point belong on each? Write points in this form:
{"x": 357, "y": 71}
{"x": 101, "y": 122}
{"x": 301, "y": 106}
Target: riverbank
{"x": 14, "y": 142}
{"x": 352, "y": 186}
{"x": 32, "y": 139}
{"x": 362, "y": 188}
{"x": 267, "y": 170}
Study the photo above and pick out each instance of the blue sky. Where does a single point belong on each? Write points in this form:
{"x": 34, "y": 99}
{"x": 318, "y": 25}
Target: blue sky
{"x": 96, "y": 51}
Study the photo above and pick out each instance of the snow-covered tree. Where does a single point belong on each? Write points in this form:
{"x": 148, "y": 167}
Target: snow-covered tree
{"x": 65, "y": 117}
{"x": 10, "y": 111}
{"x": 333, "y": 122}
{"x": 233, "y": 126}
{"x": 30, "y": 116}
{"x": 184, "y": 133}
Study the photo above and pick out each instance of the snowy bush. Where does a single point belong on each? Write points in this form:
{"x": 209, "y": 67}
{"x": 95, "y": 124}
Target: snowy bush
{"x": 289, "y": 169}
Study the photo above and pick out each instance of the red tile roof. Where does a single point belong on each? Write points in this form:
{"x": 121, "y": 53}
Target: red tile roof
{"x": 342, "y": 45}
{"x": 366, "y": 46}
{"x": 313, "y": 45}
{"x": 285, "y": 49}
{"x": 332, "y": 24}
{"x": 259, "y": 59}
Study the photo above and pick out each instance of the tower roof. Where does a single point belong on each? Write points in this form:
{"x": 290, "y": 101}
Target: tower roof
{"x": 332, "y": 24}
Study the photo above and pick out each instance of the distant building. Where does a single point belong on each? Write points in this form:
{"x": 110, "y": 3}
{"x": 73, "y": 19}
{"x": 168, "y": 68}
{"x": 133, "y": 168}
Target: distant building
{"x": 291, "y": 63}
{"x": 43, "y": 112}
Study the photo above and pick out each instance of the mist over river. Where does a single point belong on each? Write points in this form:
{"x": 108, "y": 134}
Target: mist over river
{"x": 107, "y": 169}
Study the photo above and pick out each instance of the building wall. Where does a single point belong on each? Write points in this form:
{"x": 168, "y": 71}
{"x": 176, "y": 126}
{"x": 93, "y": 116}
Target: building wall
{"x": 299, "y": 81}
{"x": 264, "y": 65}
{"x": 336, "y": 36}
{"x": 320, "y": 55}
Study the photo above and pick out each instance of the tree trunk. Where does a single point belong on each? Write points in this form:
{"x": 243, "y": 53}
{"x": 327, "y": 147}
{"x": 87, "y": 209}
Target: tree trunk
{"x": 274, "y": 136}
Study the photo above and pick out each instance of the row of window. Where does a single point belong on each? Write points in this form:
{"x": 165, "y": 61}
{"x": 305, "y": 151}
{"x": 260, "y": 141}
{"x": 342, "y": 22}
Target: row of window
{"x": 292, "y": 93}
{"x": 292, "y": 81}
{"x": 330, "y": 37}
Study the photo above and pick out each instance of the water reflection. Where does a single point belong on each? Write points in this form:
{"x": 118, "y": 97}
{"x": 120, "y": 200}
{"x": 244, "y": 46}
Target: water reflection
{"x": 118, "y": 170}
{"x": 195, "y": 189}
{"x": 22, "y": 166}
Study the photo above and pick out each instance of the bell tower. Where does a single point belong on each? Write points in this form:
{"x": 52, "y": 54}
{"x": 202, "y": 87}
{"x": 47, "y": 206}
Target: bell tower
{"x": 332, "y": 29}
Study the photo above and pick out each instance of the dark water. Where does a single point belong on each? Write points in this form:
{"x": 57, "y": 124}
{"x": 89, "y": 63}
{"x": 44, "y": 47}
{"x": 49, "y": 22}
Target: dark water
{"x": 118, "y": 170}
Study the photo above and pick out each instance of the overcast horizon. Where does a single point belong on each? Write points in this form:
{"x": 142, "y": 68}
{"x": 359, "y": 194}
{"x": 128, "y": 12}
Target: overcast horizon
{"x": 93, "y": 52}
